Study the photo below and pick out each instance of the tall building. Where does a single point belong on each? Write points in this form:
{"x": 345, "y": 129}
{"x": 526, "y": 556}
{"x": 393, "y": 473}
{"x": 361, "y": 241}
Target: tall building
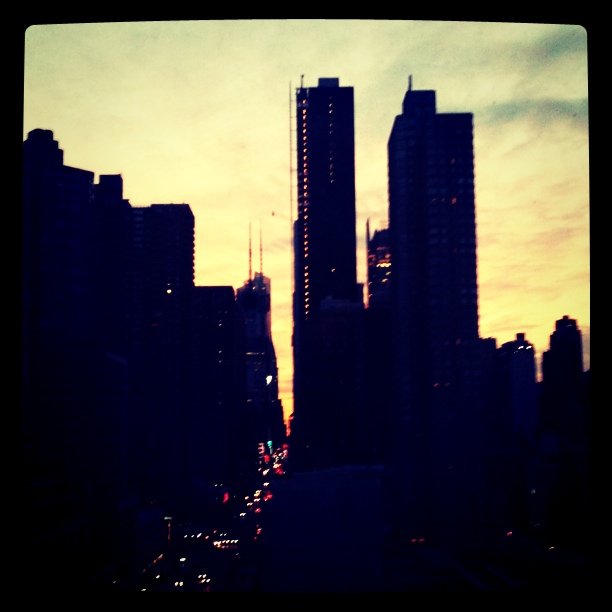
{"x": 378, "y": 331}
{"x": 161, "y": 290}
{"x": 113, "y": 216}
{"x": 215, "y": 432}
{"x": 512, "y": 434}
{"x": 565, "y": 440}
{"x": 325, "y": 274}
{"x": 74, "y": 369}
{"x": 517, "y": 392}
{"x": 437, "y": 353}
{"x": 263, "y": 409}
{"x": 562, "y": 370}
{"x": 325, "y": 243}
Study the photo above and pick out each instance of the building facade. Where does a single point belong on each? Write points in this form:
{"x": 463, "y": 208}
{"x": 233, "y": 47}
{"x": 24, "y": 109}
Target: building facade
{"x": 378, "y": 353}
{"x": 74, "y": 369}
{"x": 565, "y": 479}
{"x": 263, "y": 407}
{"x": 437, "y": 353}
{"x": 325, "y": 274}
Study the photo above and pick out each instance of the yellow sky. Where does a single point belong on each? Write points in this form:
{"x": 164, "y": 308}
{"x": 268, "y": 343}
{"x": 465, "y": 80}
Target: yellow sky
{"x": 198, "y": 112}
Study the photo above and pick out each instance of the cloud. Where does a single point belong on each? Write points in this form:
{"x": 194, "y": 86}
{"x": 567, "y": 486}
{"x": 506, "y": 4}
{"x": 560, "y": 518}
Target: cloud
{"x": 542, "y": 112}
{"x": 558, "y": 44}
{"x": 198, "y": 111}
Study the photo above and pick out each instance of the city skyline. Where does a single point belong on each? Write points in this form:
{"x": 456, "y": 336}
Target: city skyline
{"x": 205, "y": 120}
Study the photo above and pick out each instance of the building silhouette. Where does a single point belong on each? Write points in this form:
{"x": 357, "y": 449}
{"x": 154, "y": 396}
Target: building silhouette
{"x": 564, "y": 486}
{"x": 378, "y": 331}
{"x": 512, "y": 427}
{"x": 516, "y": 361}
{"x": 562, "y": 371}
{"x": 438, "y": 358}
{"x": 162, "y": 283}
{"x": 133, "y": 380}
{"x": 328, "y": 309}
{"x": 75, "y": 420}
{"x": 216, "y": 436}
{"x": 264, "y": 412}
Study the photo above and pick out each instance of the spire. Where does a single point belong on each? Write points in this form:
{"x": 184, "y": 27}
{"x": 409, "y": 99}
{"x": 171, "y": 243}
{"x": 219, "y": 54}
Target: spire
{"x": 260, "y": 251}
{"x": 409, "y": 82}
{"x": 250, "y": 255}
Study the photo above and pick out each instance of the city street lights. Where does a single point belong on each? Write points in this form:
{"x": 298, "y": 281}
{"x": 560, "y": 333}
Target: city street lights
{"x": 168, "y": 519}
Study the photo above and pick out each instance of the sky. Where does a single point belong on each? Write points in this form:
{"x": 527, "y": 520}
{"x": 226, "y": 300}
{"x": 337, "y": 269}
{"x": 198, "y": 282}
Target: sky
{"x": 198, "y": 112}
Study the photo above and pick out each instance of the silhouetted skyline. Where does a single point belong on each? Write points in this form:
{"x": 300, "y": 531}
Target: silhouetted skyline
{"x": 165, "y": 105}
{"x": 151, "y": 401}
{"x": 153, "y": 445}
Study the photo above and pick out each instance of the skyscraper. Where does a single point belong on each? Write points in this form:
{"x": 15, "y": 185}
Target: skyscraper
{"x": 264, "y": 409}
{"x": 565, "y": 441}
{"x": 378, "y": 332}
{"x": 162, "y": 264}
{"x": 74, "y": 369}
{"x": 511, "y": 435}
{"x": 436, "y": 349}
{"x": 562, "y": 379}
{"x": 215, "y": 433}
{"x": 517, "y": 388}
{"x": 326, "y": 292}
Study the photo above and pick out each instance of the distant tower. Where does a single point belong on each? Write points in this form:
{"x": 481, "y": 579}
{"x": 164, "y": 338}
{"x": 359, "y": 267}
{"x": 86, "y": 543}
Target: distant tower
{"x": 562, "y": 369}
{"x": 566, "y": 438}
{"x": 517, "y": 392}
{"x": 512, "y": 435}
{"x": 162, "y": 252}
{"x": 378, "y": 332}
{"x": 264, "y": 408}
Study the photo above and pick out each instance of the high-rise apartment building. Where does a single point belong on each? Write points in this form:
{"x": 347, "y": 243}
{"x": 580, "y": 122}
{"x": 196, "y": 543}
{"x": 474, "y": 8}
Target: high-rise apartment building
{"x": 436, "y": 350}
{"x": 327, "y": 298}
